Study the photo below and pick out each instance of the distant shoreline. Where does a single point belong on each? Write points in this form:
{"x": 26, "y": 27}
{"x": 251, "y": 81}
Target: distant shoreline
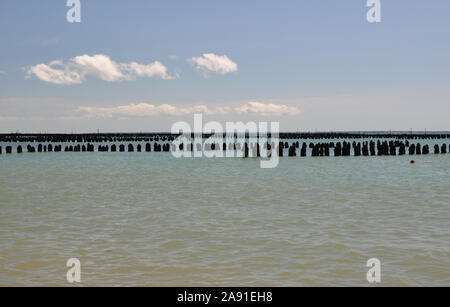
{"x": 145, "y": 136}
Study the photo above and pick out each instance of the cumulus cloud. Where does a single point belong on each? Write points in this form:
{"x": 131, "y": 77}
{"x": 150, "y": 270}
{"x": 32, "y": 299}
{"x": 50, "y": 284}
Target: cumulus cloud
{"x": 3, "y": 73}
{"x": 155, "y": 69}
{"x": 259, "y": 108}
{"x": 148, "y": 110}
{"x": 210, "y": 62}
{"x": 99, "y": 66}
{"x": 56, "y": 72}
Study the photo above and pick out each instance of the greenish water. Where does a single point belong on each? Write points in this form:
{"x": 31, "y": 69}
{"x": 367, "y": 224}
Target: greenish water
{"x": 152, "y": 220}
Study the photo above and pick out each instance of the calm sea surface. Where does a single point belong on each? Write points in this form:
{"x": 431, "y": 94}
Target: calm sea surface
{"x": 149, "y": 219}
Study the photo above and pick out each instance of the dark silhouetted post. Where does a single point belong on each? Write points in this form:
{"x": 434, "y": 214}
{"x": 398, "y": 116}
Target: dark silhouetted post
{"x": 338, "y": 150}
{"x": 436, "y": 149}
{"x": 303, "y": 150}
{"x": 412, "y": 149}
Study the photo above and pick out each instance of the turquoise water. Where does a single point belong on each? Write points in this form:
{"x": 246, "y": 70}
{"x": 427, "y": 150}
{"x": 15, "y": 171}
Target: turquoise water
{"x": 149, "y": 219}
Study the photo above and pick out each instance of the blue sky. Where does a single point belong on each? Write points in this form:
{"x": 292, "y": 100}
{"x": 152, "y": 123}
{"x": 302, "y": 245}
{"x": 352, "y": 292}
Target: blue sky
{"x": 312, "y": 65}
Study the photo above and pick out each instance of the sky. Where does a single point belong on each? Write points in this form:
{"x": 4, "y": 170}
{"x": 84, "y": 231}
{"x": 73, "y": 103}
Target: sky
{"x": 311, "y": 65}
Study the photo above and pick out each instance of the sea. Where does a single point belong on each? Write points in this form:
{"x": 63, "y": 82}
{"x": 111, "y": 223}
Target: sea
{"x": 150, "y": 219}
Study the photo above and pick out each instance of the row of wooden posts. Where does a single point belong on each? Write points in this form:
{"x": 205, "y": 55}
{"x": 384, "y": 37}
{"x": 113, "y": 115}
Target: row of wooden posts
{"x": 369, "y": 148}
{"x": 88, "y": 148}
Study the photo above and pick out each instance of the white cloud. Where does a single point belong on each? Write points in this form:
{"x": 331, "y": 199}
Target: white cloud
{"x": 3, "y": 73}
{"x": 210, "y": 62}
{"x": 56, "y": 73}
{"x": 267, "y": 109}
{"x": 148, "y": 110}
{"x": 156, "y": 69}
{"x": 98, "y": 66}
